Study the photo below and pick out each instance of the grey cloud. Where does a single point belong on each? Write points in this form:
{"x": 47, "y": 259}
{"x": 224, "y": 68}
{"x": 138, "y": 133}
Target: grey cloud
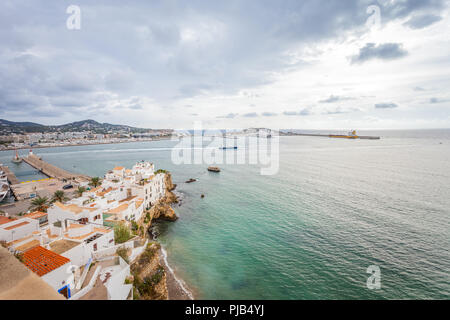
{"x": 269, "y": 114}
{"x": 303, "y": 112}
{"x": 250, "y": 115}
{"x": 422, "y": 21}
{"x": 228, "y": 116}
{"x": 437, "y": 100}
{"x": 419, "y": 89}
{"x": 136, "y": 107}
{"x": 142, "y": 50}
{"x": 333, "y": 98}
{"x": 372, "y": 51}
{"x": 386, "y": 106}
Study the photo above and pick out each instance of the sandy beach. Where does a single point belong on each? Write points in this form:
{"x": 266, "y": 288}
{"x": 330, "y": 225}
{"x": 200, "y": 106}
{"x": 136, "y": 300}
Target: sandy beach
{"x": 176, "y": 290}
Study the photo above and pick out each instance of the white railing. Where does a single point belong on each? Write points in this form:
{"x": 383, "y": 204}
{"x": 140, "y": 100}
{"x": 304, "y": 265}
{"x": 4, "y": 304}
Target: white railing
{"x": 89, "y": 287}
{"x": 112, "y": 250}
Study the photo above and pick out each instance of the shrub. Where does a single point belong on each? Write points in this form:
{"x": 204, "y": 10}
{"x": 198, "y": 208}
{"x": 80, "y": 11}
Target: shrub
{"x": 121, "y": 233}
{"x": 123, "y": 253}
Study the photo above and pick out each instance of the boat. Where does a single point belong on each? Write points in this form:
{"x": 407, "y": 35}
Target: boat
{"x": 351, "y": 135}
{"x": 16, "y": 158}
{"x": 191, "y": 180}
{"x": 228, "y": 148}
{"x": 3, "y": 176}
{"x": 4, "y": 190}
{"x": 214, "y": 169}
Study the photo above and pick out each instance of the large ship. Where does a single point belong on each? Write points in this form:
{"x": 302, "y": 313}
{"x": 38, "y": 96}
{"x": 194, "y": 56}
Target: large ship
{"x": 353, "y": 135}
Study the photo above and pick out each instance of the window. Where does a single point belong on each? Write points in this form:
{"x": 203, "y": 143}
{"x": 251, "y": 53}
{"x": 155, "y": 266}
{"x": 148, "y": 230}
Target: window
{"x": 95, "y": 247}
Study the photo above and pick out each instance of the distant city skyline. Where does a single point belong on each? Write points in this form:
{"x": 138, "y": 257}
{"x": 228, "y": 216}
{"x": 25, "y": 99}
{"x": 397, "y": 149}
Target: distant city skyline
{"x": 311, "y": 64}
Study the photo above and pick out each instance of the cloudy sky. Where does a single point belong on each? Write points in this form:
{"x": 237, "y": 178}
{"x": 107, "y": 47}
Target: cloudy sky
{"x": 313, "y": 64}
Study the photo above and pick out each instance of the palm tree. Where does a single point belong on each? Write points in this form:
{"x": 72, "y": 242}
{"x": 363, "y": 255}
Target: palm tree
{"x": 95, "y": 182}
{"x": 39, "y": 204}
{"x": 59, "y": 196}
{"x": 80, "y": 191}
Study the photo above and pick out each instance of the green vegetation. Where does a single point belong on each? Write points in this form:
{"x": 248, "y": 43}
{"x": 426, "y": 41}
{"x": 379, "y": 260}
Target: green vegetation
{"x": 147, "y": 218}
{"x": 121, "y": 233}
{"x": 146, "y": 287}
{"x": 60, "y": 196}
{"x": 39, "y": 204}
{"x": 160, "y": 171}
{"x": 80, "y": 191}
{"x": 95, "y": 182}
{"x": 123, "y": 253}
{"x": 19, "y": 256}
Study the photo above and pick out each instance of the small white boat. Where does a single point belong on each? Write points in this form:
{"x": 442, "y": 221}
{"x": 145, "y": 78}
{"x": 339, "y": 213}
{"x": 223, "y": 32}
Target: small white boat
{"x": 4, "y": 190}
{"x": 16, "y": 158}
{"x": 3, "y": 177}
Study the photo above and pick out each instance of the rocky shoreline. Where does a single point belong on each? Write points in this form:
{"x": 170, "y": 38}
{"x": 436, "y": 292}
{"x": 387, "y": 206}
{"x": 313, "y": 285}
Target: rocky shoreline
{"x": 154, "y": 279}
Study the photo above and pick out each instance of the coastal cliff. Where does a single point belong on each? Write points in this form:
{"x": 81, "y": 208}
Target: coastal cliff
{"x": 149, "y": 274}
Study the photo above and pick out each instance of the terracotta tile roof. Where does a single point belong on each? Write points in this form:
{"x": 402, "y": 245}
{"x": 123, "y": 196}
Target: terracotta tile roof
{"x": 119, "y": 168}
{"x": 4, "y": 220}
{"x": 17, "y": 225}
{"x": 35, "y": 215}
{"x": 42, "y": 261}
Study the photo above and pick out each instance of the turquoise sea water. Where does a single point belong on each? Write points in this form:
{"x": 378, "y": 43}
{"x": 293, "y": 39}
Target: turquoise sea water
{"x": 309, "y": 232}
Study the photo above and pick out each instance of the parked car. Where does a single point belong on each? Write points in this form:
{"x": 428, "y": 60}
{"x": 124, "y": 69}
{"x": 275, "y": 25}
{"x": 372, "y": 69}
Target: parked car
{"x": 67, "y": 186}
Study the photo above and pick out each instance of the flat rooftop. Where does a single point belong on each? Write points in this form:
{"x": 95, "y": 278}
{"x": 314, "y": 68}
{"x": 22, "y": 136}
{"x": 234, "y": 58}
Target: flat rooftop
{"x": 63, "y": 245}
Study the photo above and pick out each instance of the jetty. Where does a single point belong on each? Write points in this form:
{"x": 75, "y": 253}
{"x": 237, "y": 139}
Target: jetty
{"x": 350, "y": 135}
{"x": 11, "y": 176}
{"x": 51, "y": 170}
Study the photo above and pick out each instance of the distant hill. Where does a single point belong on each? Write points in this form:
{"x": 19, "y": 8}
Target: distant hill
{"x": 78, "y": 126}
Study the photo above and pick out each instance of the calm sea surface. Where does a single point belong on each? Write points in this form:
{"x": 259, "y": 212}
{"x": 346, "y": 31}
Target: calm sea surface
{"x": 309, "y": 232}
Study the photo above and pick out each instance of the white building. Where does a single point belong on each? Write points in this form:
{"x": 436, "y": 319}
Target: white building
{"x": 87, "y": 213}
{"x": 53, "y": 268}
{"x": 11, "y": 230}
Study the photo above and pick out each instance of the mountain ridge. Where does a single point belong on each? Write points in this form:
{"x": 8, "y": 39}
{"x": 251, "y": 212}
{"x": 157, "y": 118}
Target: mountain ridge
{"x": 83, "y": 125}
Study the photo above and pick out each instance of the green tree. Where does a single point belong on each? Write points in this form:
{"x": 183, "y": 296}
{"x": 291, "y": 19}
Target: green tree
{"x": 39, "y": 204}
{"x": 60, "y": 196}
{"x": 95, "y": 182}
{"x": 80, "y": 191}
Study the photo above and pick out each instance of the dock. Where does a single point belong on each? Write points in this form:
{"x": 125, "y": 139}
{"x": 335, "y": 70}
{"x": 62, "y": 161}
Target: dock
{"x": 11, "y": 176}
{"x": 53, "y": 171}
{"x": 335, "y": 136}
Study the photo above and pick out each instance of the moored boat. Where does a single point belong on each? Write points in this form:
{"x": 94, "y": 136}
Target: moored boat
{"x": 16, "y": 158}
{"x": 4, "y": 189}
